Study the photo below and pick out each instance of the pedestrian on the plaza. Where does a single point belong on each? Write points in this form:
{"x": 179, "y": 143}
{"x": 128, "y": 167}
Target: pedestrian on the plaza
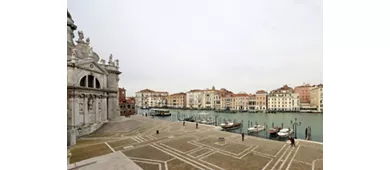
{"x": 184, "y": 123}
{"x": 242, "y": 136}
{"x": 196, "y": 125}
{"x": 306, "y": 133}
{"x": 292, "y": 142}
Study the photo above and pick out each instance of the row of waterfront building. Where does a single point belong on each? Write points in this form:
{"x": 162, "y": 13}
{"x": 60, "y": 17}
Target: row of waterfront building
{"x": 305, "y": 98}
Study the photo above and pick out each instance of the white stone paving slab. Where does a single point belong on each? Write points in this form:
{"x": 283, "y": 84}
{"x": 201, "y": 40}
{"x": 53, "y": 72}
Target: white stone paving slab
{"x": 112, "y": 161}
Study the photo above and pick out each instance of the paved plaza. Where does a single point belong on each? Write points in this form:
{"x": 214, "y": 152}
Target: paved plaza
{"x": 185, "y": 147}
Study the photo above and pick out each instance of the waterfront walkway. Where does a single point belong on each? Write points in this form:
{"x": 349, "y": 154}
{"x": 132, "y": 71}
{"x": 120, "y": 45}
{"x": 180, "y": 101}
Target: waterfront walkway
{"x": 185, "y": 147}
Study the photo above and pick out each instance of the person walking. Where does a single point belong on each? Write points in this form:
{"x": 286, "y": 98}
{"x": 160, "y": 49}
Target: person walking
{"x": 196, "y": 125}
{"x": 306, "y": 134}
{"x": 184, "y": 123}
{"x": 292, "y": 142}
{"x": 242, "y": 136}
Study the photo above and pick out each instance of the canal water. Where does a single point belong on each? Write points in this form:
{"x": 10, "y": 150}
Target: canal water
{"x": 314, "y": 120}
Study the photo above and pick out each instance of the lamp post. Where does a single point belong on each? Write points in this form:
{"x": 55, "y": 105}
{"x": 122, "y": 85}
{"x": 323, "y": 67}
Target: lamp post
{"x": 295, "y": 124}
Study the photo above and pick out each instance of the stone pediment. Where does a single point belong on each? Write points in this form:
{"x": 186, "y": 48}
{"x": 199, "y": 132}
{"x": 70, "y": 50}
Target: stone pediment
{"x": 91, "y": 65}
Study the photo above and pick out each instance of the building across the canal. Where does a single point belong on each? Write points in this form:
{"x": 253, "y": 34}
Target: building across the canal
{"x": 316, "y": 97}
{"x": 208, "y": 98}
{"x": 241, "y": 101}
{"x": 177, "y": 100}
{"x": 283, "y": 99}
{"x": 194, "y": 99}
{"x": 261, "y": 100}
{"x": 151, "y": 99}
{"x": 92, "y": 86}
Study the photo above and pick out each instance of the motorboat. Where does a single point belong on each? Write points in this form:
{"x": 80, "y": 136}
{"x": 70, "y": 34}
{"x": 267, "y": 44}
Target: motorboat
{"x": 223, "y": 125}
{"x": 273, "y": 131}
{"x": 232, "y": 126}
{"x": 160, "y": 112}
{"x": 210, "y": 121}
{"x": 256, "y": 128}
{"x": 285, "y": 132}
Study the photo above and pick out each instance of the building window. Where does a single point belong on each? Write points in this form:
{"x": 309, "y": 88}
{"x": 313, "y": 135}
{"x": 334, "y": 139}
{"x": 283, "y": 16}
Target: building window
{"x": 83, "y": 82}
{"x": 90, "y": 81}
{"x": 97, "y": 84}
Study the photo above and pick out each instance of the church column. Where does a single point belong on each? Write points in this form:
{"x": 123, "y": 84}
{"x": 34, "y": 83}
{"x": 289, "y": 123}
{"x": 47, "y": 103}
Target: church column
{"x": 86, "y": 111}
{"x": 104, "y": 108}
{"x": 97, "y": 110}
{"x": 94, "y": 82}
{"x": 86, "y": 81}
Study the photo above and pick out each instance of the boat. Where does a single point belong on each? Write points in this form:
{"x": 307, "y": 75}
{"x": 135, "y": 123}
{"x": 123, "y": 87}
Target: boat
{"x": 273, "y": 131}
{"x": 210, "y": 121}
{"x": 232, "y": 126}
{"x": 190, "y": 119}
{"x": 285, "y": 132}
{"x": 160, "y": 112}
{"x": 256, "y": 128}
{"x": 223, "y": 125}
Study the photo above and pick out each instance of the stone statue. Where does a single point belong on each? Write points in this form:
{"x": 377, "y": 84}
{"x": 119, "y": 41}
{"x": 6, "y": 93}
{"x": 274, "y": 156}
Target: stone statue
{"x": 117, "y": 62}
{"x": 90, "y": 104}
{"x": 110, "y": 60}
{"x": 88, "y": 40}
{"x": 81, "y": 108}
{"x": 81, "y": 36}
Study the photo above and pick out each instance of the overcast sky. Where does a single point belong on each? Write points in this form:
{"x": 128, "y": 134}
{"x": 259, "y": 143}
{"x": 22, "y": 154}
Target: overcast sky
{"x": 178, "y": 45}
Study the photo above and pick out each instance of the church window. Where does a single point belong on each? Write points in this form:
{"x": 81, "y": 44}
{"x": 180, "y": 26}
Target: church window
{"x": 97, "y": 83}
{"x": 83, "y": 82}
{"x": 90, "y": 81}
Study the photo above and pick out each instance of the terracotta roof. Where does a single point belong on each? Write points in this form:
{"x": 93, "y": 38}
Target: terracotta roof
{"x": 303, "y": 86}
{"x": 195, "y": 90}
{"x": 150, "y": 91}
{"x": 146, "y": 91}
{"x": 260, "y": 92}
{"x": 177, "y": 94}
{"x": 320, "y": 85}
{"x": 285, "y": 87}
{"x": 241, "y": 95}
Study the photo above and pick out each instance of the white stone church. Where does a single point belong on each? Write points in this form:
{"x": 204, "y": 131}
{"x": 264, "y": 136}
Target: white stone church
{"x": 92, "y": 86}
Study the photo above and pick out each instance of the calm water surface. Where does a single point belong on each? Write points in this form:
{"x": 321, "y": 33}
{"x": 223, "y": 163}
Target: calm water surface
{"x": 306, "y": 119}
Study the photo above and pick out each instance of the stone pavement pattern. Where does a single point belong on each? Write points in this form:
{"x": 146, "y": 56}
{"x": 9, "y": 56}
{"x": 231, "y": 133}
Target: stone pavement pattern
{"x": 185, "y": 147}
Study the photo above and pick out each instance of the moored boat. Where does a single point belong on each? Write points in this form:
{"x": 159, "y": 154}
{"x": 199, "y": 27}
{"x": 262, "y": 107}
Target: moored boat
{"x": 160, "y": 112}
{"x": 256, "y": 128}
{"x": 232, "y": 126}
{"x": 285, "y": 132}
{"x": 189, "y": 119}
{"x": 273, "y": 131}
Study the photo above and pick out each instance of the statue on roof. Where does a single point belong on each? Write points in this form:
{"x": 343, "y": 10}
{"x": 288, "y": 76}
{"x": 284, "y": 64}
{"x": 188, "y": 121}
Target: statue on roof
{"x": 81, "y": 37}
{"x": 110, "y": 62}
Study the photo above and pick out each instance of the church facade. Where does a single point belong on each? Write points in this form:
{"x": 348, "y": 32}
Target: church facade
{"x": 92, "y": 86}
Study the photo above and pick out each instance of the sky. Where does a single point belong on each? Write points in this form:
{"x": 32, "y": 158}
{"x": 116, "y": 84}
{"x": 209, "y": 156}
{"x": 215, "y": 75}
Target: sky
{"x": 179, "y": 45}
